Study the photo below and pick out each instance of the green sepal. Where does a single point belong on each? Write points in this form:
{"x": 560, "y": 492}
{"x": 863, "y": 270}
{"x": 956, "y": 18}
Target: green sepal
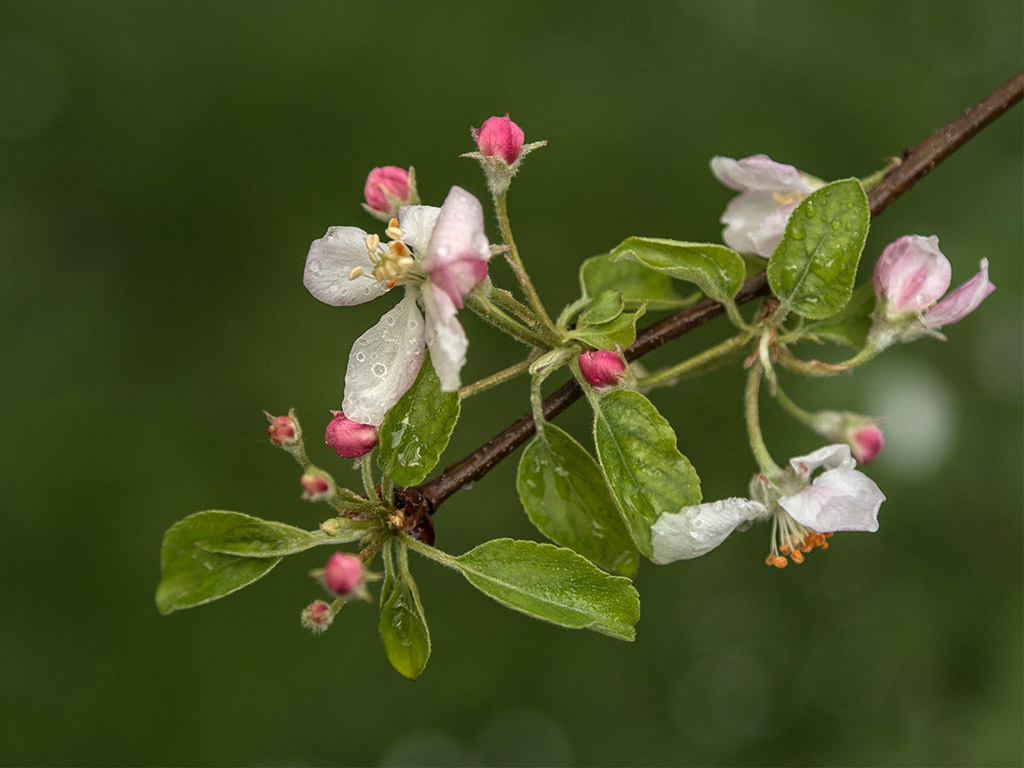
{"x": 552, "y": 584}
{"x": 253, "y": 537}
{"x": 620, "y": 332}
{"x": 603, "y": 309}
{"x": 403, "y": 625}
{"x": 814, "y": 266}
{"x": 852, "y": 324}
{"x": 718, "y": 271}
{"x": 567, "y": 498}
{"x": 191, "y": 575}
{"x": 636, "y": 283}
{"x": 416, "y": 430}
{"x": 647, "y": 474}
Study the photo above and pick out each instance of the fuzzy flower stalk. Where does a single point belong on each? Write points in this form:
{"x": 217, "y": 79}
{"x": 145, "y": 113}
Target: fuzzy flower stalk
{"x": 438, "y": 255}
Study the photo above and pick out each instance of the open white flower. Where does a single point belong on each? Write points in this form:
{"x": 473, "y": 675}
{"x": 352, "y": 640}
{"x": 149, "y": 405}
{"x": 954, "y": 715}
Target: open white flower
{"x": 755, "y": 219}
{"x": 439, "y": 255}
{"x": 804, "y": 511}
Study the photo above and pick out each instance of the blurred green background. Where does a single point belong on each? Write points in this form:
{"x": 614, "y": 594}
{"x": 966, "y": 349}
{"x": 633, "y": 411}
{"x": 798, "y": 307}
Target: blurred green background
{"x": 163, "y": 168}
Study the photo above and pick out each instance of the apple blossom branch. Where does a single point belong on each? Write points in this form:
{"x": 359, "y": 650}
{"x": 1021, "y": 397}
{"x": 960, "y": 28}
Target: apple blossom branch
{"x": 914, "y": 164}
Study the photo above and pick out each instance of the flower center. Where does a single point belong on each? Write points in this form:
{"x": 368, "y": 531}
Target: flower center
{"x": 393, "y": 263}
{"x": 785, "y": 198}
{"x": 791, "y": 541}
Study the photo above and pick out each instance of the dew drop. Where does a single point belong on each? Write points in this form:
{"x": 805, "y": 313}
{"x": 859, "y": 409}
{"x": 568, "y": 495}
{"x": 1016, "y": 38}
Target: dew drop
{"x": 837, "y": 225}
{"x": 360, "y": 357}
{"x": 379, "y": 369}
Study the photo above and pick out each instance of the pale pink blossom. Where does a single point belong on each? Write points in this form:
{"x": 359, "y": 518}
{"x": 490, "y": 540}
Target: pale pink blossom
{"x": 804, "y": 510}
{"x": 755, "y": 219}
{"x": 438, "y": 255}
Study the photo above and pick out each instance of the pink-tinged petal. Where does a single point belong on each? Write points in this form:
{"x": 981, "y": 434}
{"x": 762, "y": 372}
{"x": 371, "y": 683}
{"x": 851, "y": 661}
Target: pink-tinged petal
{"x": 331, "y": 260}
{"x": 911, "y": 274}
{"x": 743, "y": 216}
{"x": 961, "y": 302}
{"x": 458, "y": 234}
{"x": 759, "y": 173}
{"x": 867, "y": 443}
{"x": 384, "y": 362}
{"x": 417, "y": 224}
{"x": 459, "y": 278}
{"x": 839, "y": 500}
{"x": 445, "y": 338}
{"x": 695, "y": 531}
{"x": 382, "y": 182}
{"x": 767, "y": 235}
{"x": 830, "y": 457}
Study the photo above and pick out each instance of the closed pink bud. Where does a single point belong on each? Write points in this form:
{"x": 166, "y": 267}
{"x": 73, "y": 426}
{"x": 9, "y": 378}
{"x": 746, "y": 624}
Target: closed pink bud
{"x": 348, "y": 438}
{"x": 281, "y": 430}
{"x": 386, "y": 189}
{"x": 867, "y": 443}
{"x": 602, "y": 368}
{"x": 343, "y": 573}
{"x": 317, "y": 616}
{"x": 315, "y": 487}
{"x": 500, "y": 137}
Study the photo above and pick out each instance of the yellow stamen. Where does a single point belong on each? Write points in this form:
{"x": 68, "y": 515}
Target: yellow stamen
{"x": 356, "y": 272}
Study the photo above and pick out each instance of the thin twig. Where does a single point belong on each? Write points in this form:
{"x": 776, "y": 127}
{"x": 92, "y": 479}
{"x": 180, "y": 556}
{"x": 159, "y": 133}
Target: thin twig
{"x": 916, "y": 164}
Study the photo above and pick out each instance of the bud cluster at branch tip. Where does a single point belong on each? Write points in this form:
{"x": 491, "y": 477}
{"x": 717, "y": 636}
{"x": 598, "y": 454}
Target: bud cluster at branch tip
{"x": 602, "y": 367}
{"x": 315, "y": 487}
{"x": 317, "y": 616}
{"x": 500, "y": 150}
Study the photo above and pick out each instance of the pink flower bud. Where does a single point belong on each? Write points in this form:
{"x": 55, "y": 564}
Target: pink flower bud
{"x": 348, "y": 438}
{"x": 500, "y": 137}
{"x": 387, "y": 188}
{"x": 281, "y": 430}
{"x": 911, "y": 274}
{"x": 317, "y": 616}
{"x": 343, "y": 573}
{"x": 602, "y": 368}
{"x": 866, "y": 443}
{"x": 315, "y": 487}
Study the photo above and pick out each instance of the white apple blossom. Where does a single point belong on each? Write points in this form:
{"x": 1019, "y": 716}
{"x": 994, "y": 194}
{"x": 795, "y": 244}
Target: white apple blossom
{"x": 804, "y": 511}
{"x": 755, "y": 219}
{"x": 439, "y": 255}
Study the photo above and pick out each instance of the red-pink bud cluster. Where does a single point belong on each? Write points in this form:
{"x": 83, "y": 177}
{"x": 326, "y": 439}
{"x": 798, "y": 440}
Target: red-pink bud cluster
{"x": 388, "y": 188}
{"x": 500, "y": 137}
{"x": 348, "y": 438}
{"x": 343, "y": 573}
{"x": 281, "y": 430}
{"x": 317, "y": 616}
{"x": 602, "y": 367}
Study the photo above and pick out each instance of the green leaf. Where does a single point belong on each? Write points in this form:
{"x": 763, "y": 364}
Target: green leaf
{"x": 190, "y": 575}
{"x": 566, "y": 497}
{"x": 252, "y": 537}
{"x": 619, "y": 332}
{"x": 715, "y": 269}
{"x": 647, "y": 474}
{"x": 552, "y": 584}
{"x": 813, "y": 269}
{"x": 416, "y": 430}
{"x": 605, "y": 308}
{"x": 851, "y": 325}
{"x": 636, "y": 283}
{"x": 403, "y": 625}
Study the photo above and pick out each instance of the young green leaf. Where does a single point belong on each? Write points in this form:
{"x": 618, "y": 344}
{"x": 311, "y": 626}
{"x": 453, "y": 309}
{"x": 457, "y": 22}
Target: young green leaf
{"x": 191, "y": 575}
{"x": 251, "y": 537}
{"x": 416, "y": 430}
{"x": 604, "y": 308}
{"x": 636, "y": 283}
{"x": 403, "y": 625}
{"x": 552, "y": 584}
{"x": 715, "y": 269}
{"x": 647, "y": 474}
{"x": 813, "y": 268}
{"x": 620, "y": 332}
{"x": 566, "y": 497}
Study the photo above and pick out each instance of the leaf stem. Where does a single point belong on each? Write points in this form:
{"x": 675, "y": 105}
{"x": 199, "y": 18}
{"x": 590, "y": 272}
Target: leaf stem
{"x": 708, "y": 360}
{"x": 752, "y": 417}
{"x": 495, "y": 378}
{"x": 501, "y": 208}
{"x": 499, "y": 319}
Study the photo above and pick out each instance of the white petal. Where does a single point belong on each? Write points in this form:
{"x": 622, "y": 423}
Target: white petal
{"x": 839, "y": 500}
{"x": 384, "y": 362}
{"x": 767, "y": 235}
{"x": 759, "y": 173}
{"x": 459, "y": 232}
{"x": 330, "y": 261}
{"x": 962, "y": 301}
{"x": 829, "y": 457}
{"x": 743, "y": 216}
{"x": 445, "y": 338}
{"x": 417, "y": 223}
{"x": 694, "y": 531}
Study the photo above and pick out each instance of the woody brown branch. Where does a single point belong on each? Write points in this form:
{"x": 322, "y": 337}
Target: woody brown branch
{"x": 915, "y": 164}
